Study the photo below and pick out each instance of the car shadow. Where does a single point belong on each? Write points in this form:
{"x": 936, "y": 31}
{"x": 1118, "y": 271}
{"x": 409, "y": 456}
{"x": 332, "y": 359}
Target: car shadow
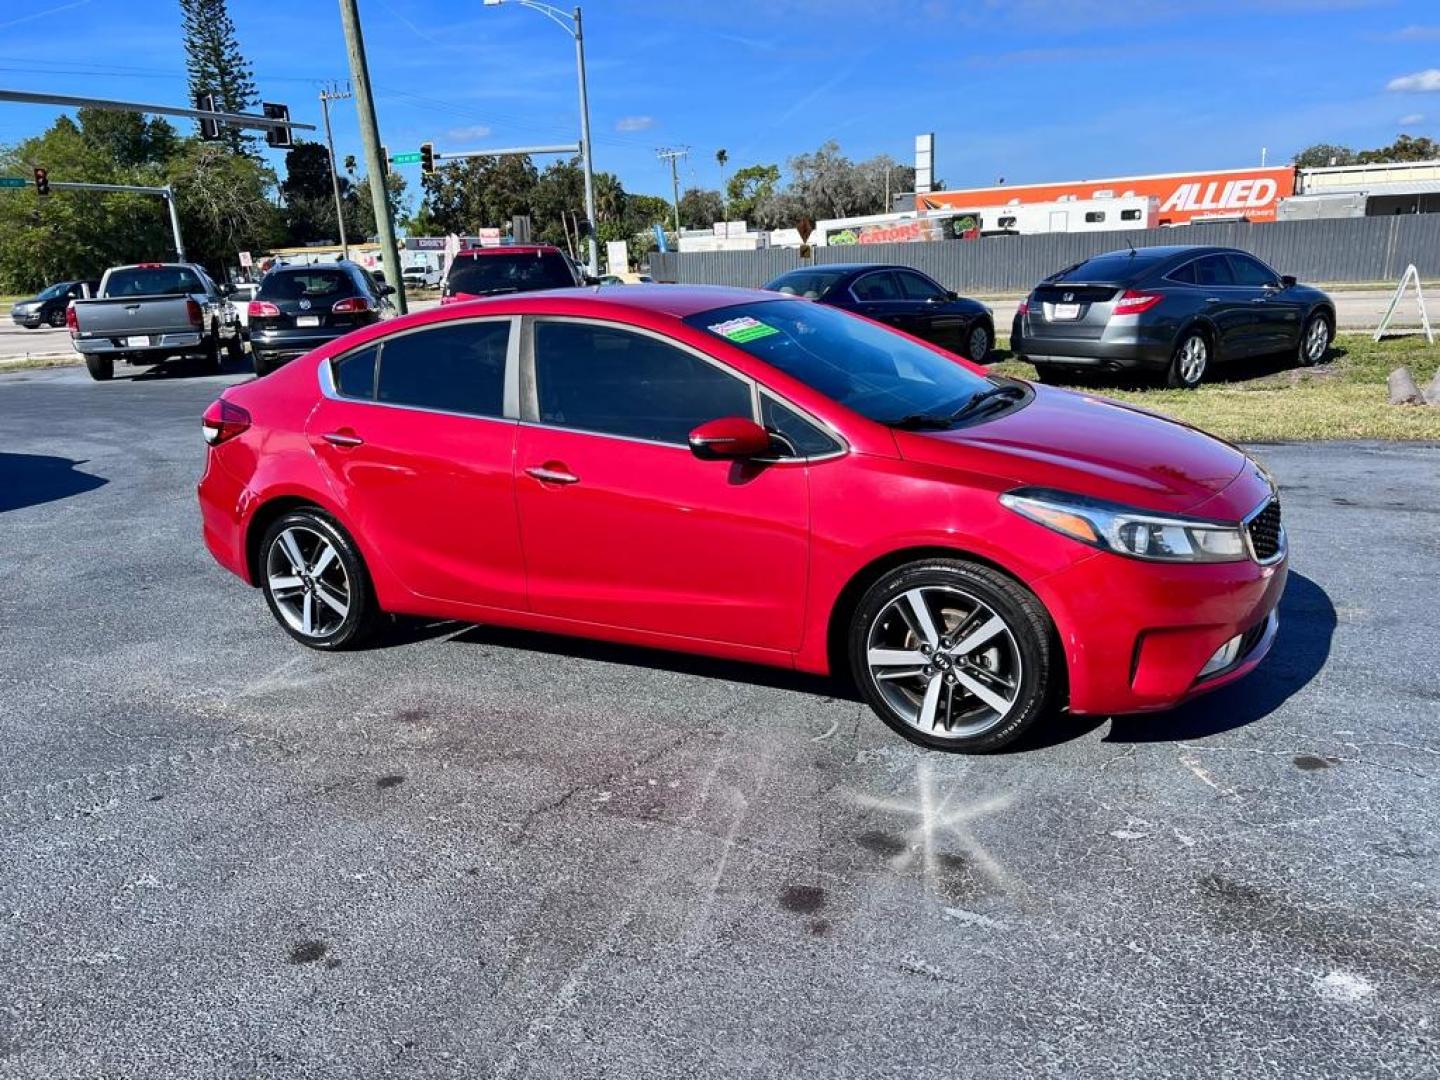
{"x": 188, "y": 369}
{"x": 1223, "y": 374}
{"x": 32, "y": 479}
{"x": 1302, "y": 645}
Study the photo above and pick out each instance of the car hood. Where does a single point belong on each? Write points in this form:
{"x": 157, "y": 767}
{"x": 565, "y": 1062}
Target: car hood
{"x": 1090, "y": 446}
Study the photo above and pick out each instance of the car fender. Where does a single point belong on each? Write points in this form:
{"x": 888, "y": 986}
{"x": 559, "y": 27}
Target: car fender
{"x": 1205, "y": 323}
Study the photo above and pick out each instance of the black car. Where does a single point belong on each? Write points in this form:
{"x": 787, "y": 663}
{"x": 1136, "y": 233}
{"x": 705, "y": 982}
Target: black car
{"x": 301, "y": 307}
{"x": 1171, "y": 310}
{"x": 901, "y": 296}
{"x": 48, "y": 309}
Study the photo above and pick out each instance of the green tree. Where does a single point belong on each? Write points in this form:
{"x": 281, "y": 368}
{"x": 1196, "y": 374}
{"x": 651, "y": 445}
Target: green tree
{"x": 224, "y": 204}
{"x": 749, "y": 187}
{"x": 1322, "y": 154}
{"x": 363, "y": 205}
{"x": 700, "y": 208}
{"x": 1405, "y": 148}
{"x": 309, "y": 212}
{"x": 128, "y": 138}
{"x": 216, "y": 66}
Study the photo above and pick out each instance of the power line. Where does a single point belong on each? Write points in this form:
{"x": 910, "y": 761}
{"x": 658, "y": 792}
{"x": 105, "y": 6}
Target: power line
{"x": 673, "y": 154}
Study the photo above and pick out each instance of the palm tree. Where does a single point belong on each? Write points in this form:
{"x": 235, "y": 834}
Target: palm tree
{"x": 721, "y": 157}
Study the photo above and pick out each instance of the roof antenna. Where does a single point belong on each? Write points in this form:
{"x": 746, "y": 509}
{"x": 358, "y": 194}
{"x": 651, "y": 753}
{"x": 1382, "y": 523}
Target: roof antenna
{"x": 1132, "y": 246}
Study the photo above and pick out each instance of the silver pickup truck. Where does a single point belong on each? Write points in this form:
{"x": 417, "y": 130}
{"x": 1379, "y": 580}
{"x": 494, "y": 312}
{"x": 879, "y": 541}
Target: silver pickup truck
{"x": 151, "y": 312}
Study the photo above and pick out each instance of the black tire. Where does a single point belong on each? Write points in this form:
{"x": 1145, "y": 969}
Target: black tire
{"x": 263, "y": 364}
{"x": 234, "y": 347}
{"x": 1186, "y": 371}
{"x": 101, "y": 368}
{"x": 1049, "y": 374}
{"x": 973, "y": 345}
{"x": 210, "y": 358}
{"x": 1307, "y": 353}
{"x": 361, "y": 614}
{"x": 1024, "y": 651}
{"x": 56, "y": 319}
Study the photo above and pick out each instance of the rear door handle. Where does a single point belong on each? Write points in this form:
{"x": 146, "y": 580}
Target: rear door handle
{"x": 1212, "y": 299}
{"x": 552, "y": 476}
{"x": 1259, "y": 299}
{"x": 342, "y": 438}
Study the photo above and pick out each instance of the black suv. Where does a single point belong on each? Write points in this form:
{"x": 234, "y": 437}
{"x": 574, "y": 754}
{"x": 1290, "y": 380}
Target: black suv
{"x": 1171, "y": 310}
{"x": 301, "y": 307}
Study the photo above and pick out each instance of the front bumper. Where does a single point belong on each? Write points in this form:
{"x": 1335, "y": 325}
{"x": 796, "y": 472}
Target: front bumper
{"x": 29, "y": 318}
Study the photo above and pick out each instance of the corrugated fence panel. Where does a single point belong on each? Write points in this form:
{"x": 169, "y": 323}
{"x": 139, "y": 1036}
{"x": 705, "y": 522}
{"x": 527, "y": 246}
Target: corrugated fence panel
{"x": 1339, "y": 250}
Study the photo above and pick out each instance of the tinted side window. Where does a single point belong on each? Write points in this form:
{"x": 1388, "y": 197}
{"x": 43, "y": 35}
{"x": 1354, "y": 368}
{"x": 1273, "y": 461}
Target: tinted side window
{"x": 611, "y": 381}
{"x": 1250, "y": 271}
{"x": 355, "y": 374}
{"x": 918, "y": 287}
{"x": 804, "y": 438}
{"x": 457, "y": 368}
{"x": 879, "y": 286}
{"x": 1183, "y": 274}
{"x": 1213, "y": 270}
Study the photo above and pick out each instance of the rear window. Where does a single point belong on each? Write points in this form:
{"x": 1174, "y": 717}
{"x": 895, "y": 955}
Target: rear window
{"x": 153, "y": 281}
{"x": 810, "y": 284}
{"x": 1119, "y": 267}
{"x": 486, "y": 275}
{"x": 308, "y": 284}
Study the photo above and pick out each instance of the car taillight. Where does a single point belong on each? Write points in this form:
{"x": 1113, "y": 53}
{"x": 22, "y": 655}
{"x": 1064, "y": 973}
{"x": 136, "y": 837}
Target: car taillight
{"x": 1023, "y": 308}
{"x": 353, "y": 306}
{"x": 1133, "y": 303}
{"x": 223, "y": 420}
{"x": 71, "y": 322}
{"x": 192, "y": 309}
{"x": 261, "y": 309}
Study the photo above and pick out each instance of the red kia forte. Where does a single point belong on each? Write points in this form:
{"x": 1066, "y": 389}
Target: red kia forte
{"x": 749, "y": 476}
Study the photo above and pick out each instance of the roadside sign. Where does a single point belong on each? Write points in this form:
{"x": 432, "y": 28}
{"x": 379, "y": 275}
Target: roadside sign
{"x": 245, "y": 260}
{"x": 13, "y": 181}
{"x": 405, "y": 159}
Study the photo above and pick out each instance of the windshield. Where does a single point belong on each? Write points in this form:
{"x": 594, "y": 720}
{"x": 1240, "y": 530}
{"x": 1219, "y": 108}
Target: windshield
{"x": 864, "y": 367}
{"x": 810, "y": 284}
{"x": 152, "y": 281}
{"x": 54, "y": 290}
{"x": 484, "y": 274}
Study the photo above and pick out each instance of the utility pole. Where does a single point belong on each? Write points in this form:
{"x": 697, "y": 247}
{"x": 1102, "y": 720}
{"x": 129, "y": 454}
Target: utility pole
{"x": 329, "y": 94}
{"x": 370, "y": 139}
{"x": 673, "y": 155}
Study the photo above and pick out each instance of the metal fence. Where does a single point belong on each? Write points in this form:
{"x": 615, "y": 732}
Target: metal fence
{"x": 1341, "y": 249}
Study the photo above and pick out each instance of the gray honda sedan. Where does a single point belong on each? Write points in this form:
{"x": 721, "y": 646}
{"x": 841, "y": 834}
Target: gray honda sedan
{"x": 1170, "y": 310}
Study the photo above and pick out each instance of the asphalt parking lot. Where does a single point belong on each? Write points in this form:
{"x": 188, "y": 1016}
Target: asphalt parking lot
{"x": 482, "y": 853}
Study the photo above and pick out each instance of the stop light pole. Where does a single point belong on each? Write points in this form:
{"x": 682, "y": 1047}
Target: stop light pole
{"x": 370, "y": 140}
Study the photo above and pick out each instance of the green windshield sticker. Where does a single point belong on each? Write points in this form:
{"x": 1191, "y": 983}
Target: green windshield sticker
{"x": 743, "y": 329}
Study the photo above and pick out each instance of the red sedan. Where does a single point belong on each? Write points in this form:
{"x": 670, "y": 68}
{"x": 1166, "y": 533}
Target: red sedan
{"x": 743, "y": 475}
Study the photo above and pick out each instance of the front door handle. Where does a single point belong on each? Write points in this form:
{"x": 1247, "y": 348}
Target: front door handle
{"x": 552, "y": 476}
{"x": 342, "y": 438}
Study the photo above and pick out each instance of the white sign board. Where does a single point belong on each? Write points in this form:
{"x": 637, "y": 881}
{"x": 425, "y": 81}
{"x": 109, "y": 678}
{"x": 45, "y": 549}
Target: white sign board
{"x": 245, "y": 260}
{"x": 617, "y": 256}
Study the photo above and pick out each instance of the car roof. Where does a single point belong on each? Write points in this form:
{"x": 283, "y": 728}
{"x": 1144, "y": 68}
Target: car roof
{"x": 1166, "y": 251}
{"x": 508, "y": 249}
{"x": 678, "y": 301}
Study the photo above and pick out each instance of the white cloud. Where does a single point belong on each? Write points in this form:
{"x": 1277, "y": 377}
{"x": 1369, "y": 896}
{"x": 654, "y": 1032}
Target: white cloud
{"x": 634, "y": 123}
{"x": 1427, "y": 80}
{"x": 1411, "y": 118}
{"x": 469, "y": 134}
{"x": 1417, "y": 33}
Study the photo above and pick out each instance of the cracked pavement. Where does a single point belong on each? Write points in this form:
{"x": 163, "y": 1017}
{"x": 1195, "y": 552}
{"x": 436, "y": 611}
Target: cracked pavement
{"x": 473, "y": 852}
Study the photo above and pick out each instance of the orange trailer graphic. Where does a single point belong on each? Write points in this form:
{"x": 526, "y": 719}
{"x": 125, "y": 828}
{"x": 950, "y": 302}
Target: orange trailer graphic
{"x": 1249, "y": 193}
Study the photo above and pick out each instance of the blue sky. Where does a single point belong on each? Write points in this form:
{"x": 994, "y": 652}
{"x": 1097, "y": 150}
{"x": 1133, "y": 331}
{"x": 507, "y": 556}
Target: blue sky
{"x": 1028, "y": 90}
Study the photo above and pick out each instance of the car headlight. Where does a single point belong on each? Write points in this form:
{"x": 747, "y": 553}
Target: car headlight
{"x": 1139, "y": 534}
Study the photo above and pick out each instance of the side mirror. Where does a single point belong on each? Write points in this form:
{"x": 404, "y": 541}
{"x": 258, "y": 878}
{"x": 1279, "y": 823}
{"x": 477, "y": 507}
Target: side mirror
{"x": 387, "y": 290}
{"x": 1287, "y": 281}
{"x": 952, "y": 296}
{"x": 729, "y": 437}
{"x": 590, "y": 279}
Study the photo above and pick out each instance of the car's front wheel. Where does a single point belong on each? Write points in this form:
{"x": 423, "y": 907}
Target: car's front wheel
{"x": 978, "y": 342}
{"x": 56, "y": 319}
{"x": 1189, "y": 362}
{"x": 1314, "y": 340}
{"x": 953, "y": 655}
{"x": 315, "y": 581}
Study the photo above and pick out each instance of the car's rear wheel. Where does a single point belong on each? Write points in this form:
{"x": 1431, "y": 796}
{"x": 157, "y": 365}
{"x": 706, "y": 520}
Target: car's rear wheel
{"x": 1314, "y": 340}
{"x": 101, "y": 368}
{"x": 1190, "y": 361}
{"x": 953, "y": 655}
{"x": 263, "y": 364}
{"x": 1049, "y": 374}
{"x": 234, "y": 347}
{"x": 315, "y": 581}
{"x": 210, "y": 358}
{"x": 977, "y": 342}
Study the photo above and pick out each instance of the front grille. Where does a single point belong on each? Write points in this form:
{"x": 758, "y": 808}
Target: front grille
{"x": 1265, "y": 532}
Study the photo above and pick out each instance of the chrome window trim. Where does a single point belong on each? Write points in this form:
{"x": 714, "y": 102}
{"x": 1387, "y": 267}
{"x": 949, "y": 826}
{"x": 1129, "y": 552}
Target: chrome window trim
{"x": 809, "y": 418}
{"x": 1281, "y": 549}
{"x": 325, "y": 372}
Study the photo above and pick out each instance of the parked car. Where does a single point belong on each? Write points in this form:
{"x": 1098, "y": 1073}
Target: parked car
{"x": 626, "y": 278}
{"x": 899, "y": 296}
{"x": 745, "y": 475}
{"x": 494, "y": 271}
{"x": 421, "y": 277}
{"x": 241, "y": 294}
{"x": 1172, "y": 310}
{"x": 151, "y": 312}
{"x": 301, "y": 307}
{"x": 48, "y": 308}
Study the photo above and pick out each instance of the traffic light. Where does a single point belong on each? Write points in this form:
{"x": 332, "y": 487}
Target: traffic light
{"x": 42, "y": 181}
{"x": 427, "y": 158}
{"x": 278, "y": 137}
{"x": 209, "y": 129}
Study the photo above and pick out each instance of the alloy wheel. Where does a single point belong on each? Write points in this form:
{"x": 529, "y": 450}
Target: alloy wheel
{"x": 307, "y": 580}
{"x": 979, "y": 344}
{"x": 1317, "y": 341}
{"x": 1193, "y": 356}
{"x": 945, "y": 662}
